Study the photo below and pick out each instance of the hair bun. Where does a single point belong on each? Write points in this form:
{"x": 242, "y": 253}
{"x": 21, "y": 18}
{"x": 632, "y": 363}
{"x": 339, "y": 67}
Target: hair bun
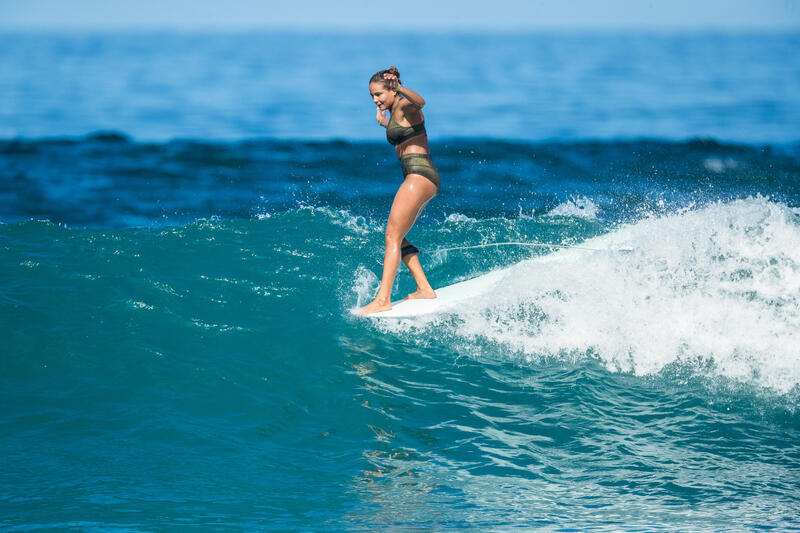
{"x": 389, "y": 83}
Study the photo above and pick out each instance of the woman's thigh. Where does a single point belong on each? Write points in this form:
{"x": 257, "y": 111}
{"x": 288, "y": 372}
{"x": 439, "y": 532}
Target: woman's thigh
{"x": 415, "y": 192}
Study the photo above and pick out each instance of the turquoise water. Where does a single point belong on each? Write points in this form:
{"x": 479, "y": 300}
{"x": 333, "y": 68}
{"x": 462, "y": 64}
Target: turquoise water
{"x": 209, "y": 374}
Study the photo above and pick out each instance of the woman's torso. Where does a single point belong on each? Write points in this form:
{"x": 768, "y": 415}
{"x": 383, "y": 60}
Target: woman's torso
{"x": 399, "y": 124}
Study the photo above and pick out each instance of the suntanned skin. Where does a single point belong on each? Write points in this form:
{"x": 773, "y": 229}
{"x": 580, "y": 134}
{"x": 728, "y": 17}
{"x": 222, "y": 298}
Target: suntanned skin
{"x": 412, "y": 197}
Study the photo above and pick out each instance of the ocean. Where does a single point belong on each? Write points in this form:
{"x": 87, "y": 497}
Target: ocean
{"x": 186, "y": 220}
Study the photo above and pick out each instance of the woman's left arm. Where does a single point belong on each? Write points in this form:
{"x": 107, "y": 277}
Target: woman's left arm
{"x": 413, "y": 97}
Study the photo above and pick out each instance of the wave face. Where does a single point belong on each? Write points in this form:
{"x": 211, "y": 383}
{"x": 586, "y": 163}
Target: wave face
{"x": 177, "y": 347}
{"x": 109, "y": 180}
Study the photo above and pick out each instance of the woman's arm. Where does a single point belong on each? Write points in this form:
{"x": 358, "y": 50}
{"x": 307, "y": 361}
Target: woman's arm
{"x": 413, "y": 97}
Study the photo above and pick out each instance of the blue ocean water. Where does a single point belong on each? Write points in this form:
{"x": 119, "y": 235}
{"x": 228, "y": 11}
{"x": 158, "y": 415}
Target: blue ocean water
{"x": 188, "y": 218}
{"x": 742, "y": 87}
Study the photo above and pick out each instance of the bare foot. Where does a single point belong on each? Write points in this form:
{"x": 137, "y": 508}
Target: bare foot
{"x": 419, "y": 293}
{"x": 375, "y": 306}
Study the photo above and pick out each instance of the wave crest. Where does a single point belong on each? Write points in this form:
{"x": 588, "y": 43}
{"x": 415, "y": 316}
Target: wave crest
{"x": 719, "y": 284}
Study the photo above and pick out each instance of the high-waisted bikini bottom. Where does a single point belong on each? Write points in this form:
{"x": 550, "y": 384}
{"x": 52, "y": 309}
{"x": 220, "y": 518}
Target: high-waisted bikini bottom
{"x": 421, "y": 164}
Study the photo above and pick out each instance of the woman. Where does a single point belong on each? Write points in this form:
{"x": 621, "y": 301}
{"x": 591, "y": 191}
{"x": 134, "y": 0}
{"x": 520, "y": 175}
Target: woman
{"x": 406, "y": 131}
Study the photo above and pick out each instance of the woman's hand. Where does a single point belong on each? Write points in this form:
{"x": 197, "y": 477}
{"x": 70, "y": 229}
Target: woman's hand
{"x": 397, "y": 87}
{"x": 381, "y": 116}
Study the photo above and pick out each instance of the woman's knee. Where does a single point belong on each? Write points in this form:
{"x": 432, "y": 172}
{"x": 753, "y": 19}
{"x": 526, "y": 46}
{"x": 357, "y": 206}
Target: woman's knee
{"x": 393, "y": 236}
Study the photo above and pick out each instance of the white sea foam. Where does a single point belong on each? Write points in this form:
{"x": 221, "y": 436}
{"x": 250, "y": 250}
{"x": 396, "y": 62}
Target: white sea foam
{"x": 140, "y": 305}
{"x": 576, "y": 207}
{"x": 365, "y": 284}
{"x": 343, "y": 218}
{"x": 717, "y": 165}
{"x": 718, "y": 284}
{"x": 458, "y": 217}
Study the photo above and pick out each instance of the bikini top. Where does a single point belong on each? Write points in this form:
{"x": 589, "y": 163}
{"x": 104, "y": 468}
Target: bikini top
{"x": 396, "y": 134}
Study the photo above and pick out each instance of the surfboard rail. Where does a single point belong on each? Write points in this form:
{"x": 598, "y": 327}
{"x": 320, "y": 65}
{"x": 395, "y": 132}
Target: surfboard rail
{"x": 448, "y": 299}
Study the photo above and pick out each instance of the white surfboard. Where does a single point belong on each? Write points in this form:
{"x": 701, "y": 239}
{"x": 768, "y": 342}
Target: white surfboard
{"x": 448, "y": 299}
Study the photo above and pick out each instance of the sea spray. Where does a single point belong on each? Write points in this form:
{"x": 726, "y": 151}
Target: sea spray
{"x": 718, "y": 284}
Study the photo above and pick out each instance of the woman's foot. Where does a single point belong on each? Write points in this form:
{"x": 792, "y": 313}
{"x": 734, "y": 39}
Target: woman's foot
{"x": 428, "y": 294}
{"x": 376, "y": 306}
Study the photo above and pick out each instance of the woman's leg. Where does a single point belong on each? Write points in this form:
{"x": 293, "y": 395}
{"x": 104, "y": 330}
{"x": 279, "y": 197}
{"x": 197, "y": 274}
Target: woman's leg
{"x": 408, "y": 203}
{"x": 424, "y": 289}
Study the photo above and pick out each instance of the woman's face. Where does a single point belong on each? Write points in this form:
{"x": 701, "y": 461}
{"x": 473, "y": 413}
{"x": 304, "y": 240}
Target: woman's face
{"x": 381, "y": 96}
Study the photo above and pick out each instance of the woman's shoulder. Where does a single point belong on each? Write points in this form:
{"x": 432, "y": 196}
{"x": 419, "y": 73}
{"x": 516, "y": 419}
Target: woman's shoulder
{"x": 408, "y": 105}
{"x": 409, "y": 110}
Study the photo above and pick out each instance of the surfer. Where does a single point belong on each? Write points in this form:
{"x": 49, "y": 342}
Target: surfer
{"x": 405, "y": 130}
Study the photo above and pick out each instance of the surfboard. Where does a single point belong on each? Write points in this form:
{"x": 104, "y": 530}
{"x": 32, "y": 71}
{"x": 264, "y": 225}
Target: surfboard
{"x": 448, "y": 299}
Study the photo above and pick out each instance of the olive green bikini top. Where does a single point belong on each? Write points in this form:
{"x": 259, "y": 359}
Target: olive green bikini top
{"x": 396, "y": 134}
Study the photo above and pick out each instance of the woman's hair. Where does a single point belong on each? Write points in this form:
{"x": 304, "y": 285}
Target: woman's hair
{"x": 390, "y": 84}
